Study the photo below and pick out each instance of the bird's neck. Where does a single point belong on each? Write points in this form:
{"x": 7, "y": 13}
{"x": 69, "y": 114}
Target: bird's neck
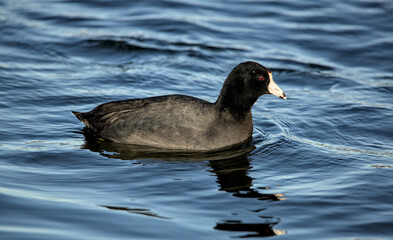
{"x": 234, "y": 100}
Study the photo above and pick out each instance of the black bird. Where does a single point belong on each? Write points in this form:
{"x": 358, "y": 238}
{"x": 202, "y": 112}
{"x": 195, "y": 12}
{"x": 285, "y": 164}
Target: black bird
{"x": 183, "y": 122}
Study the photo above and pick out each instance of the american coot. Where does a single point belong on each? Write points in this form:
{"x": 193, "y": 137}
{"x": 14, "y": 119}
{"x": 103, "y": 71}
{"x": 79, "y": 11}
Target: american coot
{"x": 183, "y": 122}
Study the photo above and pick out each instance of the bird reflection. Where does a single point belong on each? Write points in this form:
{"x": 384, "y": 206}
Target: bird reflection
{"x": 231, "y": 168}
{"x": 232, "y": 177}
{"x": 255, "y": 229}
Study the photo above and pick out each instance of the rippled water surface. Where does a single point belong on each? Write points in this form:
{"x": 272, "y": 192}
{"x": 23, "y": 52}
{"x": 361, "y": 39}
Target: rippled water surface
{"x": 319, "y": 165}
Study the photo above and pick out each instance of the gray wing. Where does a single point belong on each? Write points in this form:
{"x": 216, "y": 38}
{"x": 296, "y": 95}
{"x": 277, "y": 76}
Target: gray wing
{"x": 147, "y": 119}
{"x": 100, "y": 116}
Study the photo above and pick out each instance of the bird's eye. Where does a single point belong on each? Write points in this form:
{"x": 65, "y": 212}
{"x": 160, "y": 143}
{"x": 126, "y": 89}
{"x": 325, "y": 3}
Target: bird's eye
{"x": 261, "y": 78}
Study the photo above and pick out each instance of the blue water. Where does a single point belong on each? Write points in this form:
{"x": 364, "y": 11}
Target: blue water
{"x": 320, "y": 165}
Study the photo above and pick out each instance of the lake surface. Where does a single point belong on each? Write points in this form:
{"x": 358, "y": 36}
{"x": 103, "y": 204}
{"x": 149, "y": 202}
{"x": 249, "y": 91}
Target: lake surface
{"x": 320, "y": 165}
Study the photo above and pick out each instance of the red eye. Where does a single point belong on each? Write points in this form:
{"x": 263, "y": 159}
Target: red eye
{"x": 261, "y": 78}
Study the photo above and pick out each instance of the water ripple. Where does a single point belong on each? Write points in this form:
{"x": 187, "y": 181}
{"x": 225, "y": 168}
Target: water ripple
{"x": 324, "y": 154}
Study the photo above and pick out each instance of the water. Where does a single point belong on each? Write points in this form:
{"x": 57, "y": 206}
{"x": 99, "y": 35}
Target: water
{"x": 320, "y": 163}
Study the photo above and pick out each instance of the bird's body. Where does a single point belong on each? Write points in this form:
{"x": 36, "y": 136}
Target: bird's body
{"x": 139, "y": 122}
{"x": 182, "y": 122}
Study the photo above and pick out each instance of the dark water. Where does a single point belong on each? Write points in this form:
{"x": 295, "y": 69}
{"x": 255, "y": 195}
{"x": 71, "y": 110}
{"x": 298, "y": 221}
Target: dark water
{"x": 320, "y": 163}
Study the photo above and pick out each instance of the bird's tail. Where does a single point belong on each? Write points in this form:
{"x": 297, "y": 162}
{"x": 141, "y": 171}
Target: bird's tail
{"x": 82, "y": 118}
{"x": 78, "y": 115}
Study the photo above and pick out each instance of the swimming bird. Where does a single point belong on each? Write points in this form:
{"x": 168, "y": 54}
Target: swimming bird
{"x": 186, "y": 123}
